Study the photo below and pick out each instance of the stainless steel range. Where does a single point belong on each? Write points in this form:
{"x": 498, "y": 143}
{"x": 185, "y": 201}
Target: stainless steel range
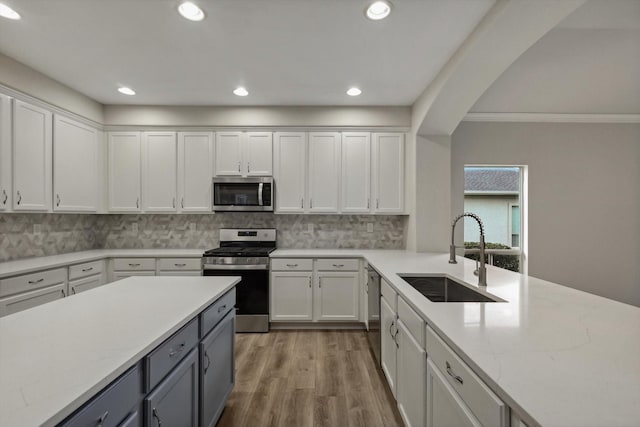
{"x": 245, "y": 253}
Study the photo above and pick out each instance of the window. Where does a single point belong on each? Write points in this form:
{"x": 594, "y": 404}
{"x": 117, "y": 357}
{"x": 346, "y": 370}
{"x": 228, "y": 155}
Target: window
{"x": 494, "y": 193}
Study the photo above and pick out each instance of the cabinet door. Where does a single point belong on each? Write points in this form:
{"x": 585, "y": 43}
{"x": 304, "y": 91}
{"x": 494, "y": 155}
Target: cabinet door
{"x": 124, "y": 171}
{"x": 336, "y": 296}
{"x": 444, "y": 407}
{"x": 388, "y": 172}
{"x": 81, "y": 285}
{"x": 290, "y": 160}
{"x": 159, "y": 175}
{"x": 388, "y": 349}
{"x": 411, "y": 371}
{"x": 291, "y": 296}
{"x": 75, "y": 166}
{"x": 228, "y": 153}
{"x": 216, "y": 370}
{"x": 259, "y": 153}
{"x": 324, "y": 172}
{"x": 31, "y": 157}
{"x": 195, "y": 171}
{"x": 16, "y": 303}
{"x": 174, "y": 402}
{"x": 5, "y": 152}
{"x": 356, "y": 172}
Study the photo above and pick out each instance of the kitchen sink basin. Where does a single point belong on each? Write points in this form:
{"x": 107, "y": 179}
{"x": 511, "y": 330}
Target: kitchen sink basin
{"x": 444, "y": 289}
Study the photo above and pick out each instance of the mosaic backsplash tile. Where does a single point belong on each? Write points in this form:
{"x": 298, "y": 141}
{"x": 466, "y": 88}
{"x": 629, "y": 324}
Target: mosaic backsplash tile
{"x": 61, "y": 233}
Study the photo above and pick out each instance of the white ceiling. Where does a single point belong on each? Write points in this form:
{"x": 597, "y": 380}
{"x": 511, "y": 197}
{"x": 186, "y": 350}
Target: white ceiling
{"x": 286, "y": 52}
{"x": 589, "y": 64}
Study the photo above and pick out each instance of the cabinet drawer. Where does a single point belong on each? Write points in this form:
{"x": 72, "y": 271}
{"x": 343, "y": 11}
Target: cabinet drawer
{"x": 29, "y": 282}
{"x": 389, "y": 294}
{"x": 414, "y": 323}
{"x": 485, "y": 405}
{"x": 161, "y": 360}
{"x": 216, "y": 311}
{"x": 326, "y": 264}
{"x": 180, "y": 264}
{"x": 15, "y": 303}
{"x": 87, "y": 269}
{"x": 113, "y": 405}
{"x": 295, "y": 264}
{"x": 124, "y": 264}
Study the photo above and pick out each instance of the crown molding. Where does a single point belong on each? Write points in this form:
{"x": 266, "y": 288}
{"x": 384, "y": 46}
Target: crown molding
{"x": 552, "y": 118}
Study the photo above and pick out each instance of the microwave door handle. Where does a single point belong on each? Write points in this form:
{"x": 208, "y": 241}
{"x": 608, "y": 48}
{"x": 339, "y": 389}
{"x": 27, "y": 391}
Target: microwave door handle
{"x": 260, "y": 194}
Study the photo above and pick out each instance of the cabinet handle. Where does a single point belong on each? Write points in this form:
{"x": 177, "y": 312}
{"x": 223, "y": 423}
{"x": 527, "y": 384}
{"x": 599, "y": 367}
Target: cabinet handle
{"x": 319, "y": 282}
{"x": 453, "y": 375}
{"x": 368, "y": 203}
{"x": 134, "y": 264}
{"x": 248, "y": 166}
{"x": 206, "y": 356}
{"x": 338, "y": 265}
{"x": 87, "y": 269}
{"x": 155, "y": 415}
{"x": 377, "y": 203}
{"x": 182, "y": 203}
{"x": 310, "y": 203}
{"x": 73, "y": 290}
{"x": 33, "y": 282}
{"x": 238, "y": 166}
{"x": 180, "y": 348}
{"x": 63, "y": 293}
{"x": 19, "y": 197}
{"x": 102, "y": 419}
{"x": 180, "y": 265}
{"x": 309, "y": 281}
{"x": 395, "y": 337}
{"x": 302, "y": 203}
{"x": 292, "y": 265}
{"x": 137, "y": 202}
{"x": 224, "y": 307}
{"x": 57, "y": 200}
{"x": 391, "y": 327}
{"x": 6, "y": 197}
{"x": 174, "y": 203}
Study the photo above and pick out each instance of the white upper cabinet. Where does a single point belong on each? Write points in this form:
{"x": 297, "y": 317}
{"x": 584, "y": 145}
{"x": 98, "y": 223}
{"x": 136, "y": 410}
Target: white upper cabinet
{"x": 259, "y": 153}
{"x": 290, "y": 171}
{"x": 244, "y": 154}
{"x": 32, "y": 152}
{"x": 124, "y": 171}
{"x": 195, "y": 171}
{"x": 159, "y": 175}
{"x": 388, "y": 173}
{"x": 75, "y": 166}
{"x": 5, "y": 152}
{"x": 228, "y": 153}
{"x": 356, "y": 172}
{"x": 324, "y": 172}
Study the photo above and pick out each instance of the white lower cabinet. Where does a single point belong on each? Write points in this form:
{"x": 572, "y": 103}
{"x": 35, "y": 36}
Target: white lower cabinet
{"x": 291, "y": 296}
{"x": 444, "y": 407}
{"x": 23, "y": 301}
{"x": 389, "y": 346}
{"x": 411, "y": 368}
{"x": 29, "y": 290}
{"x": 85, "y": 284}
{"x": 336, "y": 296}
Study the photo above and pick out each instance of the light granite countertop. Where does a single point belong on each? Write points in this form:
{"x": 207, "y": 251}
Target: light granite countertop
{"x": 558, "y": 356}
{"x": 55, "y": 357}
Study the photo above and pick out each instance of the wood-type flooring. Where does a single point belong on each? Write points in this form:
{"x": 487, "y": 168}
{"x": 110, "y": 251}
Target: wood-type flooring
{"x": 308, "y": 378}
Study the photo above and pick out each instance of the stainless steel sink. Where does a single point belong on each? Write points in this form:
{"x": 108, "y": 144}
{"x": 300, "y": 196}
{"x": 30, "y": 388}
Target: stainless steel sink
{"x": 444, "y": 289}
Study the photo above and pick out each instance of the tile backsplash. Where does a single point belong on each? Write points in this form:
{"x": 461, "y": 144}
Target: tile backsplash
{"x": 62, "y": 233}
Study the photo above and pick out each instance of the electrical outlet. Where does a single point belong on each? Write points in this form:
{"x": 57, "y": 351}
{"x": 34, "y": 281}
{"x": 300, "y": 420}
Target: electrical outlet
{"x": 369, "y": 227}
{"x": 310, "y": 228}
{"x": 134, "y": 227}
{"x": 37, "y": 228}
{"x": 192, "y": 227}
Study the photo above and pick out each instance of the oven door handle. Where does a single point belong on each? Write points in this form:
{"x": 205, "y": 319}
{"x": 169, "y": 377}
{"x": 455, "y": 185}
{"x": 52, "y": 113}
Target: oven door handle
{"x": 260, "y": 194}
{"x": 235, "y": 267}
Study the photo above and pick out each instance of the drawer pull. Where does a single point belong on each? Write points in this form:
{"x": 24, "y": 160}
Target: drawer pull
{"x": 73, "y": 290}
{"x": 391, "y": 327}
{"x": 453, "y": 375}
{"x": 63, "y": 293}
{"x": 33, "y": 282}
{"x": 224, "y": 307}
{"x": 338, "y": 265}
{"x": 134, "y": 264}
{"x": 180, "y": 348}
{"x": 6, "y": 197}
{"x": 155, "y": 415}
{"x": 180, "y": 264}
{"x": 84, "y": 270}
{"x": 292, "y": 265}
{"x": 206, "y": 356}
{"x": 102, "y": 419}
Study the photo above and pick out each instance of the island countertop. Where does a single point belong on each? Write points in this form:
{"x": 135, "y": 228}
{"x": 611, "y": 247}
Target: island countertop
{"x": 55, "y": 357}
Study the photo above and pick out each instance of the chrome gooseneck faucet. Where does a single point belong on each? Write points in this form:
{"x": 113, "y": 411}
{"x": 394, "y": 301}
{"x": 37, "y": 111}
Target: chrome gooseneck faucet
{"x": 481, "y": 271}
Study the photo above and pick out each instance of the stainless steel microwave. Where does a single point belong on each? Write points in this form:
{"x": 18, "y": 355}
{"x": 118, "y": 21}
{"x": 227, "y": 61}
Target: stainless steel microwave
{"x": 253, "y": 194}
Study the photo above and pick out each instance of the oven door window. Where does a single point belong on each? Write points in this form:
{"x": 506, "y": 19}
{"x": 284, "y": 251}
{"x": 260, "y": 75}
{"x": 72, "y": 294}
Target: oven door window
{"x": 235, "y": 194}
{"x": 252, "y": 293}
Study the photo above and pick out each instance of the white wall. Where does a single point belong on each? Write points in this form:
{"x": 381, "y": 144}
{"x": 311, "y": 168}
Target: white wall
{"x": 584, "y": 197}
{"x": 495, "y": 212}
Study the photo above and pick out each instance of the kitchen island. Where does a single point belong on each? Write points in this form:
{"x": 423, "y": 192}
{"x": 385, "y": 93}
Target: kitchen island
{"x": 55, "y": 357}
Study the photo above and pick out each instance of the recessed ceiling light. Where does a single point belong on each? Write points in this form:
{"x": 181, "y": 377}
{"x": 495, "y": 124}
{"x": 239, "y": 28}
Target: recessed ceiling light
{"x": 378, "y": 10}
{"x": 354, "y": 91}
{"x": 7, "y": 12}
{"x": 240, "y": 91}
{"x": 126, "y": 90}
{"x": 191, "y": 11}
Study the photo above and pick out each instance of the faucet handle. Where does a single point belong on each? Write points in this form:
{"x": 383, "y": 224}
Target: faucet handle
{"x": 477, "y": 270}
